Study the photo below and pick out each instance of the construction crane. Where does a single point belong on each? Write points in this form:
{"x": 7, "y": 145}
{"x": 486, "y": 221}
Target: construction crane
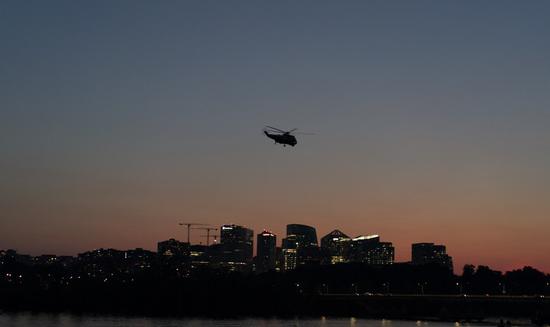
{"x": 215, "y": 237}
{"x": 207, "y": 229}
{"x": 189, "y": 229}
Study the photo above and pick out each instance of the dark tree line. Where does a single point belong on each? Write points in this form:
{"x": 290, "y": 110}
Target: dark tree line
{"x": 156, "y": 286}
{"x": 484, "y": 280}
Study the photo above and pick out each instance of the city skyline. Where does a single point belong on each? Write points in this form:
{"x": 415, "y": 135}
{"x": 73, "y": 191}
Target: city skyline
{"x": 234, "y": 251}
{"x": 420, "y": 253}
{"x": 198, "y": 237}
{"x": 431, "y": 123}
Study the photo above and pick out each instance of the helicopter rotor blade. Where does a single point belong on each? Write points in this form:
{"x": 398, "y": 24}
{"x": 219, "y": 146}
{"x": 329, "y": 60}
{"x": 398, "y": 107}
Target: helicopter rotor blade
{"x": 269, "y": 131}
{"x": 275, "y": 129}
{"x": 292, "y": 130}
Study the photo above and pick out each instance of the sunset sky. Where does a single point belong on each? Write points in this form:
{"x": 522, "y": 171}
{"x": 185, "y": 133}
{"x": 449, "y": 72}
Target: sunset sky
{"x": 431, "y": 121}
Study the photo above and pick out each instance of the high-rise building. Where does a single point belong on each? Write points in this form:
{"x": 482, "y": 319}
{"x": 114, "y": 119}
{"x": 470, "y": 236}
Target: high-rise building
{"x": 302, "y": 241}
{"x": 305, "y": 235}
{"x": 289, "y": 259}
{"x": 173, "y": 247}
{"x": 369, "y": 249}
{"x": 266, "y": 254}
{"x": 430, "y": 253}
{"x": 335, "y": 247}
{"x": 279, "y": 259}
{"x": 289, "y": 252}
{"x": 237, "y": 245}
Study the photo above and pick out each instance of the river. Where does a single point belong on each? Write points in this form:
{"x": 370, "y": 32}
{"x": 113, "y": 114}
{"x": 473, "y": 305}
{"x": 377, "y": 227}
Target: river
{"x": 25, "y": 319}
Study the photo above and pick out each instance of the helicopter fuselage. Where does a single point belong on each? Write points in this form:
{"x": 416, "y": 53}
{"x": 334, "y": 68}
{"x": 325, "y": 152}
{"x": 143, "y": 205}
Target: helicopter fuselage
{"x": 284, "y": 139}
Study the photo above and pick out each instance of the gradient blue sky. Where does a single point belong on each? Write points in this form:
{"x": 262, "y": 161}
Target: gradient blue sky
{"x": 119, "y": 119}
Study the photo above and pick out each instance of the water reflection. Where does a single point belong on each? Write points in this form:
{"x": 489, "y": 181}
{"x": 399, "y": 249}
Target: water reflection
{"x": 68, "y": 320}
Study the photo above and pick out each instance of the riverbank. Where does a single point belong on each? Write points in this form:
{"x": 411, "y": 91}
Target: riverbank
{"x": 450, "y": 308}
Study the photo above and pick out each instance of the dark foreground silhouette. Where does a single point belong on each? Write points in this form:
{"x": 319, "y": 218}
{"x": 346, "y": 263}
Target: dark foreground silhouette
{"x": 394, "y": 291}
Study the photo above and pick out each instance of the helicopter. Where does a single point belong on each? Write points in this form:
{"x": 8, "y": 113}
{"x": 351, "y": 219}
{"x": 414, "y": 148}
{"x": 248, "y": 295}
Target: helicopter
{"x": 282, "y": 137}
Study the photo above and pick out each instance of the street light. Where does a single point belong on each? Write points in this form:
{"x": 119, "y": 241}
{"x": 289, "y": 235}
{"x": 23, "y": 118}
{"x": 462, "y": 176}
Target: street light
{"x": 298, "y": 288}
{"x": 502, "y": 288}
{"x": 459, "y": 286}
{"x": 354, "y": 288}
{"x": 324, "y": 289}
{"x": 386, "y": 286}
{"x": 421, "y": 286}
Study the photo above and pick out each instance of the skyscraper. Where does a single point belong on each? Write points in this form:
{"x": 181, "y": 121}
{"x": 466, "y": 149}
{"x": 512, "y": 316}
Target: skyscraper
{"x": 305, "y": 235}
{"x": 289, "y": 249}
{"x": 300, "y": 246}
{"x": 369, "y": 249}
{"x": 236, "y": 242}
{"x": 266, "y": 251}
{"x": 335, "y": 247}
{"x": 430, "y": 253}
{"x": 289, "y": 259}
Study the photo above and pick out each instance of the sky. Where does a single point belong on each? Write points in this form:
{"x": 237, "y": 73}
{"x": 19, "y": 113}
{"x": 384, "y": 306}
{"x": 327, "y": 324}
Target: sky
{"x": 431, "y": 118}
